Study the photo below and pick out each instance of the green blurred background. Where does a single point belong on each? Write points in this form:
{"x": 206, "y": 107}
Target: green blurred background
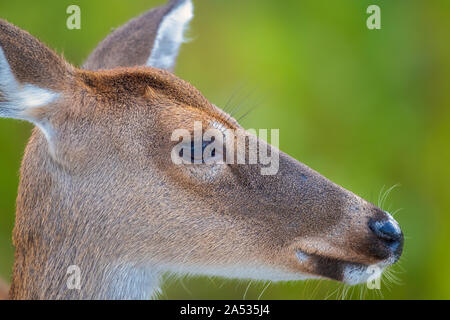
{"x": 367, "y": 108}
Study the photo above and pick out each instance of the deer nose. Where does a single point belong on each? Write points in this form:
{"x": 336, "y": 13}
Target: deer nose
{"x": 389, "y": 232}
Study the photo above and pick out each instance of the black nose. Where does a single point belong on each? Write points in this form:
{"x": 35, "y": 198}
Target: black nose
{"x": 389, "y": 232}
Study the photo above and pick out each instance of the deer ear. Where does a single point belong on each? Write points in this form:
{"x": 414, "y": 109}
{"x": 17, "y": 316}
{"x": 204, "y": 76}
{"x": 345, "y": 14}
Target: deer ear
{"x": 152, "y": 39}
{"x": 31, "y": 76}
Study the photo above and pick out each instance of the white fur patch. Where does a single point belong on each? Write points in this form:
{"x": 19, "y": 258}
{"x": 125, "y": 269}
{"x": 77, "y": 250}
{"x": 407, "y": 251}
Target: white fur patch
{"x": 355, "y": 274}
{"x": 170, "y": 36}
{"x": 17, "y": 100}
{"x": 302, "y": 257}
{"x": 255, "y": 271}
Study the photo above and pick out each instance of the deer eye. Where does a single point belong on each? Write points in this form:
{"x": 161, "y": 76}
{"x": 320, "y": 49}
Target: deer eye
{"x": 194, "y": 158}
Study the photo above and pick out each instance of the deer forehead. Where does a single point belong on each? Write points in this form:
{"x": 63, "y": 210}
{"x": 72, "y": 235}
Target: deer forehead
{"x": 175, "y": 101}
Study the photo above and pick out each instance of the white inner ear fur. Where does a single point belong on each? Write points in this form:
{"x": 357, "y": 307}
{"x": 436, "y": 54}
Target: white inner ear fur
{"x": 170, "y": 36}
{"x": 18, "y": 100}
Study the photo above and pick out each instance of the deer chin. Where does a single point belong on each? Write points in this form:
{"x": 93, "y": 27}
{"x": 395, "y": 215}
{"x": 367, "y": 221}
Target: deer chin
{"x": 359, "y": 273}
{"x": 340, "y": 270}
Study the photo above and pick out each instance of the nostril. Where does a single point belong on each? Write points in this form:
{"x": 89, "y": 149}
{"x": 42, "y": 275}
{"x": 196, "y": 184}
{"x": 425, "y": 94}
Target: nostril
{"x": 387, "y": 230}
{"x": 388, "y": 234}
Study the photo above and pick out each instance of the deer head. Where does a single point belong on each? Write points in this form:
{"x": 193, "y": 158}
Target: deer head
{"x": 99, "y": 190}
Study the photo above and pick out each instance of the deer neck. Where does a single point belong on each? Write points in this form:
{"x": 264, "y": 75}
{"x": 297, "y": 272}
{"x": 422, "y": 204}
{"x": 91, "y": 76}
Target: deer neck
{"x": 55, "y": 243}
{"x": 51, "y": 275}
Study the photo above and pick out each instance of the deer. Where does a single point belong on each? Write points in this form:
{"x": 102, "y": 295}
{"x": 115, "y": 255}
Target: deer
{"x": 98, "y": 189}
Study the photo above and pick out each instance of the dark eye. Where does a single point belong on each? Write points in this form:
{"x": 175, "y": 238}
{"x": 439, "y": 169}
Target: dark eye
{"x": 204, "y": 145}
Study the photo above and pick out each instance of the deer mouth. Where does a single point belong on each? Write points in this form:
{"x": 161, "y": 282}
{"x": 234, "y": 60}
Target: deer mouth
{"x": 340, "y": 270}
{"x": 379, "y": 248}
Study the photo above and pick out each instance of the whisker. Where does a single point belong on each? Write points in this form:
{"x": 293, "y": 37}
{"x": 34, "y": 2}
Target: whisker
{"x": 329, "y": 295}
{"x": 223, "y": 283}
{"x": 241, "y": 104}
{"x": 316, "y": 288}
{"x": 246, "y": 290}
{"x": 247, "y": 112}
{"x": 184, "y": 287}
{"x": 386, "y": 195}
{"x": 379, "y": 197}
{"x": 362, "y": 292}
{"x": 233, "y": 96}
{"x": 396, "y": 211}
{"x": 212, "y": 281}
{"x": 265, "y": 288}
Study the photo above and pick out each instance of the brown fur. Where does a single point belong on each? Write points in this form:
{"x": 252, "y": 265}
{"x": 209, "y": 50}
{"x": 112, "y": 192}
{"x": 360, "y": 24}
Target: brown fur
{"x": 31, "y": 61}
{"x": 109, "y": 197}
{"x": 3, "y": 290}
{"x": 131, "y": 44}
